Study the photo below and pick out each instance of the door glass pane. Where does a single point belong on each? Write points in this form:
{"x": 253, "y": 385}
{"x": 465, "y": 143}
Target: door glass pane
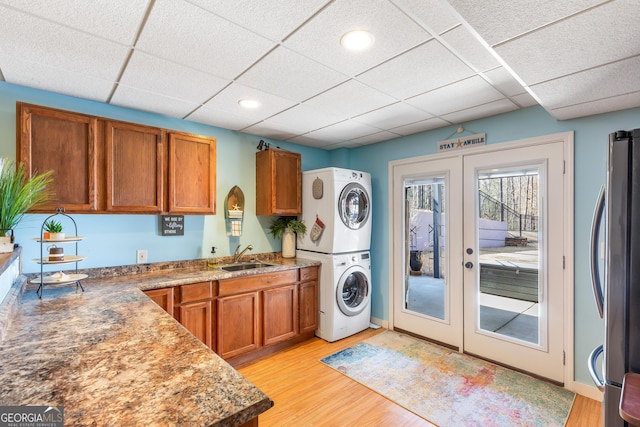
{"x": 425, "y": 285}
{"x": 508, "y": 230}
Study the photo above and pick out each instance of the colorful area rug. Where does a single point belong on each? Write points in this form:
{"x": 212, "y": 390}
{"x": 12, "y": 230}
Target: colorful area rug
{"x": 448, "y": 388}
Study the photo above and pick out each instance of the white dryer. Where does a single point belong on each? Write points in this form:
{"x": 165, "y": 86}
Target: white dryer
{"x": 344, "y": 293}
{"x": 336, "y": 207}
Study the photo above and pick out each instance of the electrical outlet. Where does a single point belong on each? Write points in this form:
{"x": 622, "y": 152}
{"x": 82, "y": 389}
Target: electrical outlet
{"x": 141, "y": 256}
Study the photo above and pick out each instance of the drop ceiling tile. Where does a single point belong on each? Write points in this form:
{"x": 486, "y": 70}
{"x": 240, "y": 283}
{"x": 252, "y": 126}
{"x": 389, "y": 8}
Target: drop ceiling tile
{"x": 422, "y": 69}
{"x": 391, "y": 116}
{"x": 39, "y": 76}
{"x": 166, "y": 78}
{"x": 375, "y": 137}
{"x": 345, "y": 131}
{"x": 430, "y": 14}
{"x": 116, "y": 20}
{"x": 470, "y": 49}
{"x": 421, "y": 126}
{"x": 350, "y": 99}
{"x": 583, "y": 41}
{"x": 302, "y": 119}
{"x": 290, "y": 75}
{"x": 499, "y": 20}
{"x": 614, "y": 79}
{"x": 186, "y": 34}
{"x": 227, "y": 100}
{"x": 481, "y": 111}
{"x": 221, "y": 118}
{"x": 502, "y": 80}
{"x": 130, "y": 97}
{"x": 266, "y": 130}
{"x": 314, "y": 140}
{"x": 524, "y": 100}
{"x": 456, "y": 96}
{"x": 38, "y": 41}
{"x": 615, "y": 103}
{"x": 319, "y": 39}
{"x": 271, "y": 19}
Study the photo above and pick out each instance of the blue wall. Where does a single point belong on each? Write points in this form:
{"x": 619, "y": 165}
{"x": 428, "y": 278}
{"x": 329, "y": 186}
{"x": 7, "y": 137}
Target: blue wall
{"x": 591, "y": 139}
{"x": 113, "y": 239}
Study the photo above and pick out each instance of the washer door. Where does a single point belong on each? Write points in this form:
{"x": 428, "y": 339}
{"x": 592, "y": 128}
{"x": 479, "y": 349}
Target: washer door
{"x": 353, "y": 205}
{"x": 352, "y": 292}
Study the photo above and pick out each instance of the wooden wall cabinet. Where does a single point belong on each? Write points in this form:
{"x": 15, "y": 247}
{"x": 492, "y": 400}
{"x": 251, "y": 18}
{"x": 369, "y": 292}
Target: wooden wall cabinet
{"x": 107, "y": 166}
{"x": 134, "y": 173}
{"x": 278, "y": 183}
{"x": 49, "y": 139}
{"x": 192, "y": 176}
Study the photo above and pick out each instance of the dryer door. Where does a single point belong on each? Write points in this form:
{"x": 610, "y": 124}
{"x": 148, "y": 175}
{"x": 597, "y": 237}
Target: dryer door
{"x": 353, "y": 290}
{"x": 354, "y": 205}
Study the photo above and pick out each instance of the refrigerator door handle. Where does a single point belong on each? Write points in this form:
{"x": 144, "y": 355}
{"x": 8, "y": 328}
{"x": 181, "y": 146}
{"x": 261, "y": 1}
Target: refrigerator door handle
{"x": 595, "y": 269}
{"x": 593, "y": 370}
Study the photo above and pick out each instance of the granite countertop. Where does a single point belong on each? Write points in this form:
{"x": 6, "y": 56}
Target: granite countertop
{"x": 111, "y": 356}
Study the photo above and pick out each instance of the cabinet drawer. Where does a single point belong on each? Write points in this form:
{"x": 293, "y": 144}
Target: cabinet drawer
{"x": 259, "y": 281}
{"x": 194, "y": 292}
{"x": 308, "y": 273}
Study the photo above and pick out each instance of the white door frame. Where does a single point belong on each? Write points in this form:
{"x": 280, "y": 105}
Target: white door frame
{"x": 568, "y": 239}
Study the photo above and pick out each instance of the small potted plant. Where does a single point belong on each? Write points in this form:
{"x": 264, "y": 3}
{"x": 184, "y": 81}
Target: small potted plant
{"x": 18, "y": 194}
{"x": 53, "y": 230}
{"x": 286, "y": 227}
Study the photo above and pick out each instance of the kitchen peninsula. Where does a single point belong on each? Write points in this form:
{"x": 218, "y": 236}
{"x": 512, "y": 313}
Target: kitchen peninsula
{"x": 111, "y": 356}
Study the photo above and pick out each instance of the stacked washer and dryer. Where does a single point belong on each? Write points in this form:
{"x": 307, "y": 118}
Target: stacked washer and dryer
{"x": 336, "y": 207}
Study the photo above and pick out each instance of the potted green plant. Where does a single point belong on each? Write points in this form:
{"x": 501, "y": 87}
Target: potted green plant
{"x": 53, "y": 230}
{"x": 286, "y": 227}
{"x": 18, "y": 194}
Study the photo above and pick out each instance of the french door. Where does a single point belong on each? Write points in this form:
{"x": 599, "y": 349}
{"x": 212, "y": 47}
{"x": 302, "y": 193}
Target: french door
{"x": 478, "y": 241}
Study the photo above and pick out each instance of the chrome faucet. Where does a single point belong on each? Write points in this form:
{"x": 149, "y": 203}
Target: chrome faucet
{"x": 236, "y": 255}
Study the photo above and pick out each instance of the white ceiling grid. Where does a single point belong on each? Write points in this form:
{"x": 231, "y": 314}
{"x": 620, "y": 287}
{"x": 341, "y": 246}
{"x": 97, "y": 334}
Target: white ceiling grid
{"x": 434, "y": 63}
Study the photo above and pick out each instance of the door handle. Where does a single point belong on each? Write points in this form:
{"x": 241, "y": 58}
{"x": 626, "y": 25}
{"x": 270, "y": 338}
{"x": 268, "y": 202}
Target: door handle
{"x": 595, "y": 271}
{"x": 468, "y": 264}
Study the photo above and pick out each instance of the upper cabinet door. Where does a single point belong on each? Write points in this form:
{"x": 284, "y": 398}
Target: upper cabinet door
{"x": 278, "y": 183}
{"x": 65, "y": 142}
{"x": 134, "y": 173}
{"x": 192, "y": 174}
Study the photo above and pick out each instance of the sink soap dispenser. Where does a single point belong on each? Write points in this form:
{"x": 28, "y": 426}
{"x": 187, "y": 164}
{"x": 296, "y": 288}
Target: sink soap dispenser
{"x": 212, "y": 261}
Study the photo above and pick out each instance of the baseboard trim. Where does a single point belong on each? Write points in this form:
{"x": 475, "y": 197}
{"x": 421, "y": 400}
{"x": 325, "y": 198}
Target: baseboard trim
{"x": 585, "y": 390}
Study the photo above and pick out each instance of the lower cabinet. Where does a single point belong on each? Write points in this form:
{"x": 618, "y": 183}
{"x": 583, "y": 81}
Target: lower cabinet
{"x": 163, "y": 297}
{"x": 238, "y": 324}
{"x": 279, "y": 314}
{"x": 194, "y": 309}
{"x": 308, "y": 300}
{"x": 247, "y": 317}
{"x": 197, "y": 318}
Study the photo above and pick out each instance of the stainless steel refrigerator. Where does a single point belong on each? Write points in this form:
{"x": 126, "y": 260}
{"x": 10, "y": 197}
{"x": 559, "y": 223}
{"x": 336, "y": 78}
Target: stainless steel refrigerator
{"x": 617, "y": 290}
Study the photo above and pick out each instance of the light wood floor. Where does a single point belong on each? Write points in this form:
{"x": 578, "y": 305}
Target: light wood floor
{"x": 308, "y": 393}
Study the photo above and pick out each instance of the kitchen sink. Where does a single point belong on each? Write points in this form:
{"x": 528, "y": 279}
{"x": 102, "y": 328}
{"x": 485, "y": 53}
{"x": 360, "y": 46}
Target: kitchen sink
{"x": 245, "y": 266}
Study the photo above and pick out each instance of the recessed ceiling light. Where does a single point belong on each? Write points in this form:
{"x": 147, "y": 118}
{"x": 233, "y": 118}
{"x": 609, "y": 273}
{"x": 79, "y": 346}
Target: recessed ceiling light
{"x": 357, "y": 40}
{"x": 249, "y": 103}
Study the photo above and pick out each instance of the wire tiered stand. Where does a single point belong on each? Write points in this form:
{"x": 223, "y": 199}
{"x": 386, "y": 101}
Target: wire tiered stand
{"x": 58, "y": 278}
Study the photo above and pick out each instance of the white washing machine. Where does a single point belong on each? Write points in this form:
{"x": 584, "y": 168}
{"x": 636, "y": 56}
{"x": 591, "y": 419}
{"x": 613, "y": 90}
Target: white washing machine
{"x": 336, "y": 207}
{"x": 344, "y": 293}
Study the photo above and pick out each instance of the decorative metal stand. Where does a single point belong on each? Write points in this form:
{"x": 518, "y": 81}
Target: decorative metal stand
{"x": 71, "y": 278}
